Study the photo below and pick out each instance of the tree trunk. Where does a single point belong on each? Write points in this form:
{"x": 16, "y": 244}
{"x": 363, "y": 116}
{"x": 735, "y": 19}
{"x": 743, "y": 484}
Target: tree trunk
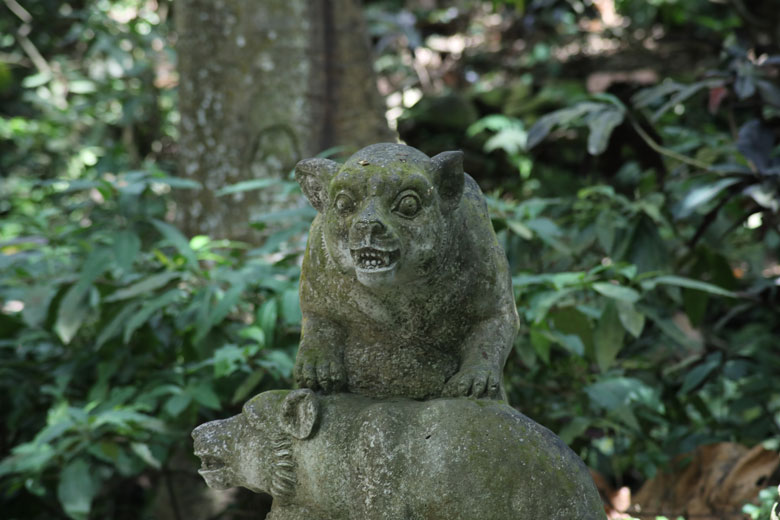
{"x": 263, "y": 85}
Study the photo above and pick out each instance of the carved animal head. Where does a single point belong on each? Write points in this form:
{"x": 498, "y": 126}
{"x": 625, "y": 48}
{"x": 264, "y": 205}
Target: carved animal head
{"x": 254, "y": 449}
{"x": 386, "y": 211}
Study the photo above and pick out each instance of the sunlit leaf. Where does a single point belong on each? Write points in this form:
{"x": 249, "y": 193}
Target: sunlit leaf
{"x": 145, "y": 454}
{"x": 679, "y": 281}
{"x": 617, "y": 292}
{"x": 254, "y": 184}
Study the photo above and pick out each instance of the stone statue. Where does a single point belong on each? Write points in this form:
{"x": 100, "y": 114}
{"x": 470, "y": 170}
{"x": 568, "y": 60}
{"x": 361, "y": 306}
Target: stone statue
{"x": 405, "y": 290}
{"x": 408, "y": 307}
{"x": 350, "y": 457}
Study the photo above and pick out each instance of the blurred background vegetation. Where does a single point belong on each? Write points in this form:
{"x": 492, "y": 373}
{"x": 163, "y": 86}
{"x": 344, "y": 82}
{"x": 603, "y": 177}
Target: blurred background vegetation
{"x": 630, "y": 153}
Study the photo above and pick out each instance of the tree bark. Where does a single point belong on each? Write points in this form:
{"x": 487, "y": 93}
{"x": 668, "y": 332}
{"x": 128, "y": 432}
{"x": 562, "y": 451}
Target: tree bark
{"x": 263, "y": 85}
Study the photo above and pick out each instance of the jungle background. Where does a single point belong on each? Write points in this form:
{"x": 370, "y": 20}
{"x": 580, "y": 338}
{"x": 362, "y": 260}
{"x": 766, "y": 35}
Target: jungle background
{"x": 628, "y": 149}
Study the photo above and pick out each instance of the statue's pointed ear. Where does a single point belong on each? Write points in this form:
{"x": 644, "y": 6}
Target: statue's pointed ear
{"x": 448, "y": 176}
{"x": 314, "y": 176}
{"x": 300, "y": 412}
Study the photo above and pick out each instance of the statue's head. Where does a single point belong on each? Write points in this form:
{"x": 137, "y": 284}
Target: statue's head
{"x": 254, "y": 449}
{"x": 386, "y": 212}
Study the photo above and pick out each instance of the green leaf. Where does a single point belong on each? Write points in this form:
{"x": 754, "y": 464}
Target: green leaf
{"x": 127, "y": 245}
{"x": 511, "y": 140}
{"x": 688, "y": 283}
{"x": 541, "y": 344}
{"x": 701, "y": 195}
{"x": 493, "y": 122}
{"x": 601, "y": 126}
{"x": 266, "y": 316}
{"x": 571, "y": 342}
{"x": 36, "y": 80}
{"x": 561, "y": 117}
{"x": 115, "y": 325}
{"x": 291, "y": 307}
{"x": 548, "y": 231}
{"x": 204, "y": 394}
{"x": 279, "y": 361}
{"x": 254, "y": 184}
{"x": 574, "y": 429}
{"x": 179, "y": 183}
{"x": 569, "y": 321}
{"x": 695, "y": 305}
{"x": 226, "y": 303}
{"x": 541, "y": 303}
{"x": 249, "y": 384}
{"x": 671, "y": 329}
{"x": 520, "y": 229}
{"x": 199, "y": 242}
{"x": 633, "y": 321}
{"x": 616, "y": 392}
{"x": 145, "y": 454}
{"x": 176, "y": 404}
{"x": 608, "y": 337}
{"x": 254, "y": 333}
{"x": 700, "y": 372}
{"x": 177, "y": 240}
{"x": 228, "y": 359}
{"x": 605, "y": 230}
{"x": 81, "y": 86}
{"x": 36, "y": 304}
{"x": 147, "y": 310}
{"x": 73, "y": 309}
{"x": 625, "y": 415}
{"x": 616, "y": 292}
{"x": 683, "y": 93}
{"x": 144, "y": 286}
{"x": 284, "y": 215}
{"x": 76, "y": 489}
{"x": 649, "y": 96}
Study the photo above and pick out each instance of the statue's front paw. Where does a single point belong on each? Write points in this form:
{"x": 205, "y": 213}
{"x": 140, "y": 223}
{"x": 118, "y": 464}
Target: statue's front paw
{"x": 475, "y": 381}
{"x": 319, "y": 370}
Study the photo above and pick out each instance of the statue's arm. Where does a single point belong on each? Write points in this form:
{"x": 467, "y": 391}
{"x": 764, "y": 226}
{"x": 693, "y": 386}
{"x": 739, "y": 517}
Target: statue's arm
{"x": 320, "y": 360}
{"x": 484, "y": 350}
{"x": 483, "y": 354}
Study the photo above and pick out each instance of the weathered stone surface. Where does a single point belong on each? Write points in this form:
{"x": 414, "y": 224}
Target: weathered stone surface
{"x": 405, "y": 290}
{"x": 350, "y": 457}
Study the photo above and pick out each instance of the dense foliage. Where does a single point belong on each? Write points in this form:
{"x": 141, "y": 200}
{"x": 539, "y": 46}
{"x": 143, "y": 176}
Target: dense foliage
{"x": 640, "y": 217}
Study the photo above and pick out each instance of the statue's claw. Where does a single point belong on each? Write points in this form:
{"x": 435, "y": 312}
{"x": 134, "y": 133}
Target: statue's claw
{"x": 317, "y": 370}
{"x": 477, "y": 381}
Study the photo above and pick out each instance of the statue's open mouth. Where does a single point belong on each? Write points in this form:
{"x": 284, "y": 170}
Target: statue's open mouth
{"x": 370, "y": 259}
{"x": 209, "y": 463}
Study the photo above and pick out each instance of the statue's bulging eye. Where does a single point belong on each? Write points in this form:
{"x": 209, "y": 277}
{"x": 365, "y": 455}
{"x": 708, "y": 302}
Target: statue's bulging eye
{"x": 344, "y": 203}
{"x": 408, "y": 206}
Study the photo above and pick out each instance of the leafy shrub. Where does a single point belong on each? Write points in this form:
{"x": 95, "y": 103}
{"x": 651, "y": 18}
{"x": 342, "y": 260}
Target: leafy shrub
{"x": 120, "y": 335}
